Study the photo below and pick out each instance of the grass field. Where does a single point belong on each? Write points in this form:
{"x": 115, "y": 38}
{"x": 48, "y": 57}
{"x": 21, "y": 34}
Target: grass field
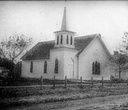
{"x": 34, "y": 95}
{"x": 17, "y": 96}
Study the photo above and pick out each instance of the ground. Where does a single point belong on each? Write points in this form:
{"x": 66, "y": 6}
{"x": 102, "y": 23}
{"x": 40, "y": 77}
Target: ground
{"x": 97, "y": 103}
{"x": 107, "y": 96}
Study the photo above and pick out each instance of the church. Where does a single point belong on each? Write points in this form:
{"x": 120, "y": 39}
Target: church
{"x": 74, "y": 57}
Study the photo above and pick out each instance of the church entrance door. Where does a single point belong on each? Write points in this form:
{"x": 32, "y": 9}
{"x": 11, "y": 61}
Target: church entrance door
{"x": 71, "y": 75}
{"x": 71, "y": 69}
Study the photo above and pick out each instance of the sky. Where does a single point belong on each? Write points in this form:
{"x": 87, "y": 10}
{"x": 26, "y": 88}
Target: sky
{"x": 40, "y": 19}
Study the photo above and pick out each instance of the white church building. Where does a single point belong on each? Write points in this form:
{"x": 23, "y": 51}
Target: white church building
{"x": 70, "y": 56}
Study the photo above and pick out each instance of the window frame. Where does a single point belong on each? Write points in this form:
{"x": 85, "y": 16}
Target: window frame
{"x": 31, "y": 67}
{"x": 56, "y": 69}
{"x": 96, "y": 68}
{"x": 61, "y": 39}
{"x": 57, "y": 39}
{"x": 71, "y": 40}
{"x": 67, "y": 40}
{"x": 45, "y": 67}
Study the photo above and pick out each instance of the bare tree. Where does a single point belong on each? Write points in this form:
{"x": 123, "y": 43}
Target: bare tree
{"x": 13, "y": 47}
{"x": 124, "y": 45}
{"x": 120, "y": 59}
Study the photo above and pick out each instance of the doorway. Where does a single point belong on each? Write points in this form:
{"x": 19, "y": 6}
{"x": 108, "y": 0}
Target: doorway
{"x": 71, "y": 68}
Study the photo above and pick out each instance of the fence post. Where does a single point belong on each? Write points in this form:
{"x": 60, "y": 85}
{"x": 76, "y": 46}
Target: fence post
{"x": 54, "y": 83}
{"x": 102, "y": 82}
{"x": 65, "y": 82}
{"x": 127, "y": 82}
{"x": 81, "y": 82}
{"x": 92, "y": 81}
{"x": 41, "y": 82}
{"x": 111, "y": 82}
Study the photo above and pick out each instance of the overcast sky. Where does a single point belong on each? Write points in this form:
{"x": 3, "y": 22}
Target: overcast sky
{"x": 39, "y": 19}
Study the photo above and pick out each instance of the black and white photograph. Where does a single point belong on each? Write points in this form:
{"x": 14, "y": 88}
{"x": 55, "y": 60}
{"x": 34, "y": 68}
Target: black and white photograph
{"x": 64, "y": 55}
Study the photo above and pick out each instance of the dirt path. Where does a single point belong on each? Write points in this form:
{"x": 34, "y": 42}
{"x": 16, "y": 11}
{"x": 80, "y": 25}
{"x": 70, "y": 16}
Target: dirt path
{"x": 97, "y": 103}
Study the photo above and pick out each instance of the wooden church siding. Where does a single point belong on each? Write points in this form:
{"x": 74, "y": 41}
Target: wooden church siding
{"x": 94, "y": 52}
{"x": 59, "y": 55}
{"x": 38, "y": 68}
{"x": 70, "y": 63}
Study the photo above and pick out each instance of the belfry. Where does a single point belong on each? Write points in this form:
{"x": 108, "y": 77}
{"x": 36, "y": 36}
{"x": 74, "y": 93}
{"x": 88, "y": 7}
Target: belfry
{"x": 64, "y": 37}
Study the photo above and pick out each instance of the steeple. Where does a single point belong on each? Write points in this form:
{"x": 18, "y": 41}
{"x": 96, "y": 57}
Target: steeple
{"x": 63, "y": 25}
{"x": 64, "y": 38}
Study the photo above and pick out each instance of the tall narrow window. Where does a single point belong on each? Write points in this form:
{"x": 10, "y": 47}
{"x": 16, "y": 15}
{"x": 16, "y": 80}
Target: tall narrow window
{"x": 95, "y": 68}
{"x": 31, "y": 67}
{"x": 98, "y": 68}
{"x": 67, "y": 39}
{"x": 61, "y": 39}
{"x": 57, "y": 39}
{"x": 71, "y": 40}
{"x": 56, "y": 66}
{"x": 45, "y": 67}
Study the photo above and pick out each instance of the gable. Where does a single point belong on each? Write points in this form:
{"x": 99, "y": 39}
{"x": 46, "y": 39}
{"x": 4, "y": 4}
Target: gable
{"x": 42, "y": 49}
{"x": 102, "y": 44}
{"x": 95, "y": 51}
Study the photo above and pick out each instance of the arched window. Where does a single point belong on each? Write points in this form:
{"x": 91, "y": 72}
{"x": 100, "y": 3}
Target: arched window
{"x": 96, "y": 68}
{"x": 31, "y": 67}
{"x": 61, "y": 39}
{"x": 93, "y": 68}
{"x": 56, "y": 66}
{"x": 71, "y": 40}
{"x": 67, "y": 39}
{"x": 57, "y": 39}
{"x": 45, "y": 67}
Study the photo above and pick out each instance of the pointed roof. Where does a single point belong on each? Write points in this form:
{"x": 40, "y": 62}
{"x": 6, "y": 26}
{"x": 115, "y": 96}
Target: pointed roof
{"x": 42, "y": 49}
{"x": 96, "y": 36}
{"x": 63, "y": 25}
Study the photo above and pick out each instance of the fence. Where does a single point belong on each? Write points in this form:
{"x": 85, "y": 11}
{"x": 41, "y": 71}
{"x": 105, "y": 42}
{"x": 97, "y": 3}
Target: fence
{"x": 81, "y": 83}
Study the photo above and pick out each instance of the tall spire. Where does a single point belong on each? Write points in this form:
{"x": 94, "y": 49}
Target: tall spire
{"x": 63, "y": 26}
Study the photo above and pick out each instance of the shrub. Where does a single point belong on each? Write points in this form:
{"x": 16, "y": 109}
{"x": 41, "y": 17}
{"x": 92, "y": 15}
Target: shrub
{"x": 116, "y": 80}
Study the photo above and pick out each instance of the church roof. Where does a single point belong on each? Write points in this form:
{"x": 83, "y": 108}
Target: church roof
{"x": 83, "y": 41}
{"x": 39, "y": 51}
{"x": 42, "y": 49}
